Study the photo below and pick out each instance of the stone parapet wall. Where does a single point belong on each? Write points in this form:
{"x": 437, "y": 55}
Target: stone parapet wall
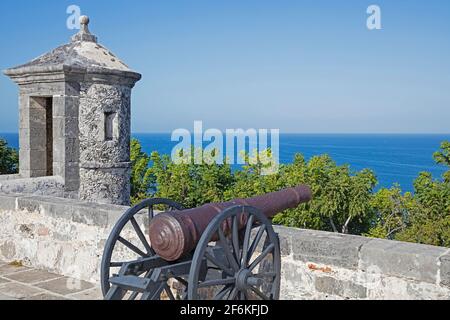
{"x": 6, "y": 177}
{"x": 44, "y": 186}
{"x": 67, "y": 237}
{"x": 323, "y": 265}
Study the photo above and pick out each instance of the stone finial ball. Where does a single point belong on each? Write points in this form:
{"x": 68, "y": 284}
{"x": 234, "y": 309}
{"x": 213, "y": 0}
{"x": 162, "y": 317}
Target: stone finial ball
{"x": 84, "y": 20}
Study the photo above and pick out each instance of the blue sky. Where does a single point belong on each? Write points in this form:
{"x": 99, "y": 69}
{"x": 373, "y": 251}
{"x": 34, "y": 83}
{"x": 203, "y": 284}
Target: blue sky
{"x": 300, "y": 66}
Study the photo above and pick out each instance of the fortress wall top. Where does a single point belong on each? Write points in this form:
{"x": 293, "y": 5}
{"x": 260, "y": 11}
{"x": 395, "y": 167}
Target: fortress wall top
{"x": 67, "y": 236}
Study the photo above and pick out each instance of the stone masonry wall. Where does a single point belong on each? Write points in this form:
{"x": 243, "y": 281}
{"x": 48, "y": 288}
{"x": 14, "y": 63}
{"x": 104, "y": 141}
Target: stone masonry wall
{"x": 67, "y": 237}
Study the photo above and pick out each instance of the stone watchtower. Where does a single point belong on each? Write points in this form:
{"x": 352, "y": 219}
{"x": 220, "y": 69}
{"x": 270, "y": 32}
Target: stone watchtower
{"x": 74, "y": 105}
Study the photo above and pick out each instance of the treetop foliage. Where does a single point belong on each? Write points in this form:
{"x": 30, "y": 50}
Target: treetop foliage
{"x": 9, "y": 159}
{"x": 344, "y": 201}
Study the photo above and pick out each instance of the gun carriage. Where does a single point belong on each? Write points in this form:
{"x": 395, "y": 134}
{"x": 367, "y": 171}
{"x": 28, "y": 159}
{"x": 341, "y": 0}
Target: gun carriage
{"x": 220, "y": 251}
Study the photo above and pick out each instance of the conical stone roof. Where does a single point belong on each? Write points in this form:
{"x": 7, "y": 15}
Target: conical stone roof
{"x": 82, "y": 54}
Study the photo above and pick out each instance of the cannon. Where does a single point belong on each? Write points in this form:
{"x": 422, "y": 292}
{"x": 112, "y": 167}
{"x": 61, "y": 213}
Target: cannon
{"x": 219, "y": 251}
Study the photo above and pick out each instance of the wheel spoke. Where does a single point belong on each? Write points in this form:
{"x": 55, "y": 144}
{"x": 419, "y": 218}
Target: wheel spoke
{"x": 219, "y": 264}
{"x": 248, "y": 232}
{"x": 154, "y": 294}
{"x": 217, "y": 282}
{"x": 169, "y": 292}
{"x": 134, "y": 295}
{"x": 235, "y": 238}
{"x": 221, "y": 294}
{"x": 226, "y": 248}
{"x": 261, "y": 256}
{"x": 256, "y": 242}
{"x": 141, "y": 236}
{"x": 151, "y": 214}
{"x": 233, "y": 294}
{"x": 132, "y": 247}
{"x": 259, "y": 293}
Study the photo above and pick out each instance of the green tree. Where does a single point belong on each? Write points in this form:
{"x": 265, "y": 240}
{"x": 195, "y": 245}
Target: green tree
{"x": 421, "y": 217}
{"x": 429, "y": 214}
{"x": 391, "y": 212}
{"x": 9, "y": 158}
{"x": 188, "y": 183}
{"x": 343, "y": 200}
{"x": 341, "y": 197}
{"x": 443, "y": 157}
{"x": 142, "y": 180}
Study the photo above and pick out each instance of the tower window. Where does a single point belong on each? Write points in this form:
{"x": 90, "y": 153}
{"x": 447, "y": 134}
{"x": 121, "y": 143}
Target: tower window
{"x": 109, "y": 125}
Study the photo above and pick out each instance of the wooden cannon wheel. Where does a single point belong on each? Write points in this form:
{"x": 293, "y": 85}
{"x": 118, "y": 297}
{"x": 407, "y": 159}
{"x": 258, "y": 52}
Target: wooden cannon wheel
{"x": 242, "y": 265}
{"x": 128, "y": 223}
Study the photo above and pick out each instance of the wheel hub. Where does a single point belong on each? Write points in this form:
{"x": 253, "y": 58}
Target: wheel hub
{"x": 245, "y": 278}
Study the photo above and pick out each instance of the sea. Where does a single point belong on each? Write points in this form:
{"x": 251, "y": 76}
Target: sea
{"x": 395, "y": 158}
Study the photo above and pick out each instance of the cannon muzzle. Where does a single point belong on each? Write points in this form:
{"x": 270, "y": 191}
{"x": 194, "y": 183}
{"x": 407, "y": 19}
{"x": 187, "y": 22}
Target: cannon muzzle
{"x": 176, "y": 233}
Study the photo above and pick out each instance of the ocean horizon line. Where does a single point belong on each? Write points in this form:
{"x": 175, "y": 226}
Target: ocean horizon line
{"x": 322, "y": 133}
{"x": 303, "y": 133}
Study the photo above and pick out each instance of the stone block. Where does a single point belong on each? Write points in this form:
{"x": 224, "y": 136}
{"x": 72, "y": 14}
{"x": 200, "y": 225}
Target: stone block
{"x": 7, "y": 202}
{"x": 72, "y": 185}
{"x": 65, "y": 106}
{"x": 57, "y": 208}
{"x": 65, "y": 286}
{"x": 59, "y": 154}
{"x": 37, "y": 173}
{"x": 65, "y": 127}
{"x": 38, "y": 160}
{"x": 24, "y": 173}
{"x": 46, "y": 296}
{"x": 58, "y": 169}
{"x": 285, "y": 237}
{"x": 24, "y": 118}
{"x": 53, "y": 207}
{"x": 7, "y": 250}
{"x": 72, "y": 150}
{"x": 71, "y": 127}
{"x": 37, "y": 116}
{"x": 38, "y": 140}
{"x": 24, "y": 138}
{"x": 59, "y": 106}
{"x": 403, "y": 260}
{"x": 12, "y": 268}
{"x": 43, "y": 88}
{"x": 32, "y": 276}
{"x": 72, "y": 89}
{"x": 92, "y": 294}
{"x": 285, "y": 245}
{"x": 30, "y": 204}
{"x": 327, "y": 248}
{"x": 445, "y": 270}
{"x": 293, "y": 276}
{"x": 329, "y": 285}
{"x": 335, "y": 287}
{"x": 18, "y": 291}
{"x": 90, "y": 214}
{"x": 23, "y": 100}
{"x": 24, "y": 160}
{"x": 59, "y": 127}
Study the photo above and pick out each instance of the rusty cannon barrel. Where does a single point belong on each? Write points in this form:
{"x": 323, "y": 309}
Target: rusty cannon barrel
{"x": 176, "y": 233}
